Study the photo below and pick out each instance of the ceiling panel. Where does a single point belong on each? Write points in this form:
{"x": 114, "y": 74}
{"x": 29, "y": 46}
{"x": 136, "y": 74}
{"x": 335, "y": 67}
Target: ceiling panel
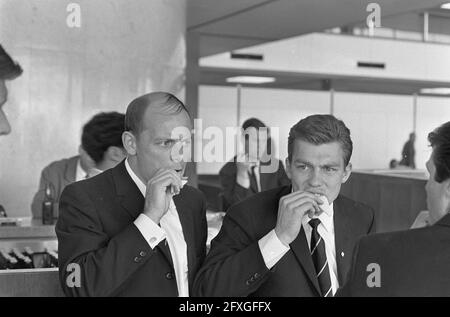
{"x": 234, "y": 21}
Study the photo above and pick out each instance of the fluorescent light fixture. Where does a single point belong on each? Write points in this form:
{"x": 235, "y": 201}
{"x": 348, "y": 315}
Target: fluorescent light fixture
{"x": 446, "y": 6}
{"x": 436, "y": 91}
{"x": 250, "y": 80}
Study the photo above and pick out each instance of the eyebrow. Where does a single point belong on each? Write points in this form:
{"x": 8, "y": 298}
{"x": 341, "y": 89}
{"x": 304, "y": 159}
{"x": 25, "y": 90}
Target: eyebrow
{"x": 324, "y": 165}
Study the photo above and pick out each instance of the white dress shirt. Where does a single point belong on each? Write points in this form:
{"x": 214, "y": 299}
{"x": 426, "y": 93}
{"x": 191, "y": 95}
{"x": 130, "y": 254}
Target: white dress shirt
{"x": 170, "y": 230}
{"x": 272, "y": 249}
{"x": 80, "y": 173}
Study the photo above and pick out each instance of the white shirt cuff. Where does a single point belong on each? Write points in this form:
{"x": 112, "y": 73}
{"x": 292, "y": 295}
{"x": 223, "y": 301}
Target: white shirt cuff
{"x": 151, "y": 232}
{"x": 272, "y": 249}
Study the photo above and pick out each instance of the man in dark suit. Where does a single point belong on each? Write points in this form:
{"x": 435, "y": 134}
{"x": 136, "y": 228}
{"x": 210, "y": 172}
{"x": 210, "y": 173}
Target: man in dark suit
{"x": 295, "y": 240}
{"x": 254, "y": 171}
{"x": 414, "y": 262}
{"x": 101, "y": 149}
{"x": 135, "y": 230}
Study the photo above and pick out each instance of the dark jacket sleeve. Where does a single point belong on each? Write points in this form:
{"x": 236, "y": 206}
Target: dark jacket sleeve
{"x": 105, "y": 262}
{"x": 234, "y": 265}
{"x": 232, "y": 191}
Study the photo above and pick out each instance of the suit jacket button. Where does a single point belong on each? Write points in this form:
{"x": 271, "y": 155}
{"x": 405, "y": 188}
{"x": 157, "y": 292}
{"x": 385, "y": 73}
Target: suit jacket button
{"x": 169, "y": 276}
{"x": 137, "y": 259}
{"x": 142, "y": 253}
{"x": 248, "y": 282}
{"x": 256, "y": 275}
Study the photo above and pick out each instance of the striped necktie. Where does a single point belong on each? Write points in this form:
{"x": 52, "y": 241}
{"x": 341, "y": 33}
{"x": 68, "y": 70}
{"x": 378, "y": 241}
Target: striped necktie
{"x": 320, "y": 259}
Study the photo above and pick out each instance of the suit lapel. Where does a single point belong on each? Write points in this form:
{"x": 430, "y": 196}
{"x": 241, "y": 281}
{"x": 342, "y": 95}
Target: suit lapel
{"x": 187, "y": 224}
{"x": 342, "y": 236}
{"x": 127, "y": 191}
{"x": 301, "y": 251}
{"x": 132, "y": 201}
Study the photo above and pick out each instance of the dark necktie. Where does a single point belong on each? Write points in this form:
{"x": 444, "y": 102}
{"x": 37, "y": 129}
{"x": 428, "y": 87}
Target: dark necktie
{"x": 253, "y": 180}
{"x": 320, "y": 259}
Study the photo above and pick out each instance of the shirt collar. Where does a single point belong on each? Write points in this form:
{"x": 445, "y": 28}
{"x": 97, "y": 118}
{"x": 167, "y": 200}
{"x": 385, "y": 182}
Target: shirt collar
{"x": 140, "y": 184}
{"x": 80, "y": 173}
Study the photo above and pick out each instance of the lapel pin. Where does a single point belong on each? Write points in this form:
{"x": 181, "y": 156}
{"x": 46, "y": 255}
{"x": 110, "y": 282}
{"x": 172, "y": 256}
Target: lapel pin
{"x": 342, "y": 254}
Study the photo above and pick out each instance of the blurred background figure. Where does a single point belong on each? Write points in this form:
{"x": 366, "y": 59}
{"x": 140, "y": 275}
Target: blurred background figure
{"x": 408, "y": 152}
{"x": 9, "y": 70}
{"x": 242, "y": 177}
{"x": 101, "y": 149}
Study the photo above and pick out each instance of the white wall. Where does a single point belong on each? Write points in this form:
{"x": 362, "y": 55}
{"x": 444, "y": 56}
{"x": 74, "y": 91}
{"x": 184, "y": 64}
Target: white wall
{"x": 331, "y": 54}
{"x": 379, "y": 126}
{"x": 122, "y": 49}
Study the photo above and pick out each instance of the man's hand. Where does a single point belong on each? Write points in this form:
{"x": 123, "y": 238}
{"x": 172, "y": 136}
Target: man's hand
{"x": 291, "y": 209}
{"x": 160, "y": 190}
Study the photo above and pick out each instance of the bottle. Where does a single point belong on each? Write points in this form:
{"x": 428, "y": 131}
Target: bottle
{"x": 47, "y": 206}
{"x": 2, "y": 212}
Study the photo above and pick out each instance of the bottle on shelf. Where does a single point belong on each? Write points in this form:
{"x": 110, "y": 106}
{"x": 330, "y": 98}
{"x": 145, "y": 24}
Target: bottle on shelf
{"x": 48, "y": 205}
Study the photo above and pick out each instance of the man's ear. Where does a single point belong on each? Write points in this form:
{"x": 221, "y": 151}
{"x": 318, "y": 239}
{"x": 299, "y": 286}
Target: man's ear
{"x": 347, "y": 172}
{"x": 116, "y": 154}
{"x": 129, "y": 143}
{"x": 288, "y": 168}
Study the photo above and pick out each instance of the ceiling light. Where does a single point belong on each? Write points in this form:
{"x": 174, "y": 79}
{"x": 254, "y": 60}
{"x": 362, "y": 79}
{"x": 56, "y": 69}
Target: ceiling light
{"x": 446, "y": 6}
{"x": 250, "y": 80}
{"x": 436, "y": 91}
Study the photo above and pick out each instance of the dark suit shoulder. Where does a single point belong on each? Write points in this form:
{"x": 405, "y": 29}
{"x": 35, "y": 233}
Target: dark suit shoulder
{"x": 258, "y": 211}
{"x": 229, "y": 167}
{"x": 412, "y": 238}
{"x": 356, "y": 210}
{"x": 95, "y": 187}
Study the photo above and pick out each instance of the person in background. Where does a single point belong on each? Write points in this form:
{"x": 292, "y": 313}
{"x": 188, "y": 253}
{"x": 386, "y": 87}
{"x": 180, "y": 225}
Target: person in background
{"x": 408, "y": 152}
{"x": 9, "y": 70}
{"x": 413, "y": 262}
{"x": 101, "y": 148}
{"x": 292, "y": 240}
{"x": 137, "y": 229}
{"x": 244, "y": 176}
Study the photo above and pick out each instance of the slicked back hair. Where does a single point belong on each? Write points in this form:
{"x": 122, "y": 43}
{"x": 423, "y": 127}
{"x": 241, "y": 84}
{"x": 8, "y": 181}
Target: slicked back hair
{"x": 321, "y": 129}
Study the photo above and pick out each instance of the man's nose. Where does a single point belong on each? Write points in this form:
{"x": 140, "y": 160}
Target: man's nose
{"x": 315, "y": 178}
{"x": 5, "y": 128}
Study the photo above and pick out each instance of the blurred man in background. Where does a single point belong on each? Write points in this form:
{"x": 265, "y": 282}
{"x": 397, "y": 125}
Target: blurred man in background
{"x": 101, "y": 149}
{"x": 243, "y": 176}
{"x": 408, "y": 152}
{"x": 414, "y": 262}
